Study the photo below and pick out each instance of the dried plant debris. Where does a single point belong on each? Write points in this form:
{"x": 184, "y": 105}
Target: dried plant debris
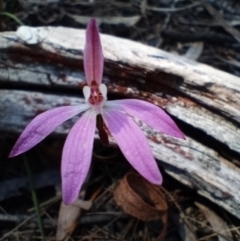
{"x": 140, "y": 198}
{"x": 219, "y": 226}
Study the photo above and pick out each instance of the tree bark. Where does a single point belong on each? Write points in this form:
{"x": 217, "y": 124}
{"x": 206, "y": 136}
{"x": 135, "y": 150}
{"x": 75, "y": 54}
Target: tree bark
{"x": 47, "y": 71}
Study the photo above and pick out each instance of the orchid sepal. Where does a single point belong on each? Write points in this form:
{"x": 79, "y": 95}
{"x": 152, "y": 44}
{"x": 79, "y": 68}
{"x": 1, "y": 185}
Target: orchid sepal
{"x": 42, "y": 125}
{"x": 93, "y": 54}
{"x": 150, "y": 114}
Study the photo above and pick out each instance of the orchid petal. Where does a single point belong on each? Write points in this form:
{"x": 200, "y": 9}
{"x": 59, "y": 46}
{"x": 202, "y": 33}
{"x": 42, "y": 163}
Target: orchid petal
{"x": 76, "y": 157}
{"x": 43, "y": 125}
{"x": 93, "y": 56}
{"x": 86, "y": 92}
{"x": 103, "y": 90}
{"x": 133, "y": 144}
{"x": 150, "y": 114}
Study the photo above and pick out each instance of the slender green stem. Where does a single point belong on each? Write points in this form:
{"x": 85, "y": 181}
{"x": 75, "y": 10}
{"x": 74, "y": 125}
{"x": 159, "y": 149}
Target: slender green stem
{"x": 35, "y": 199}
{"x": 16, "y": 19}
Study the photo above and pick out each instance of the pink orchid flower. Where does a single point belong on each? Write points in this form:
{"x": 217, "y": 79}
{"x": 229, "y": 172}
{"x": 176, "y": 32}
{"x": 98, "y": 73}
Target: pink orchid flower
{"x": 77, "y": 151}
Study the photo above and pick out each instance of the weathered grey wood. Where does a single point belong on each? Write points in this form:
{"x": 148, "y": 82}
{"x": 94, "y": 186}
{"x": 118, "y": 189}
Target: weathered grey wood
{"x": 204, "y": 98}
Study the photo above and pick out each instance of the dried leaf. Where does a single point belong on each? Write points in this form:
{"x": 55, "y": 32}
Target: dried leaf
{"x": 68, "y": 216}
{"x": 127, "y": 21}
{"x": 218, "y": 225}
{"x": 140, "y": 198}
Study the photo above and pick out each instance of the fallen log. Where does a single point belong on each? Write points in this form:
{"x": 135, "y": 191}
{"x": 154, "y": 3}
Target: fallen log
{"x": 45, "y": 69}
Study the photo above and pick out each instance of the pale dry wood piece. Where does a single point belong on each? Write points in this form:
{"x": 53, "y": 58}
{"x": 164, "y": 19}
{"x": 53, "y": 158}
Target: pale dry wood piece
{"x": 204, "y": 99}
{"x": 68, "y": 215}
{"x": 194, "y": 51}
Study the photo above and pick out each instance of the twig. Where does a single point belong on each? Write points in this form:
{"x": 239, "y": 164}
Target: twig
{"x": 168, "y": 10}
{"x": 218, "y": 18}
{"x": 18, "y": 226}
